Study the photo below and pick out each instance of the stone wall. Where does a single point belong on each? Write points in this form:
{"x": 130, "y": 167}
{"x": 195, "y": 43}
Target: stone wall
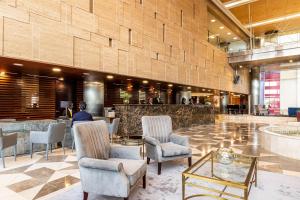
{"x": 163, "y": 40}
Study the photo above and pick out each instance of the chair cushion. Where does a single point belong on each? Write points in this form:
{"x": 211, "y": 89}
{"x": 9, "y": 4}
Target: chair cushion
{"x": 171, "y": 149}
{"x": 134, "y": 169}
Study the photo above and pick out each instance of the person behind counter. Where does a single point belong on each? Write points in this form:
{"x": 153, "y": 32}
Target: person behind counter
{"x": 82, "y": 115}
{"x": 69, "y": 111}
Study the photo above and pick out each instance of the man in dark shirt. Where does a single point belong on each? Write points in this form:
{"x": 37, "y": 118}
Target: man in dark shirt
{"x": 82, "y": 115}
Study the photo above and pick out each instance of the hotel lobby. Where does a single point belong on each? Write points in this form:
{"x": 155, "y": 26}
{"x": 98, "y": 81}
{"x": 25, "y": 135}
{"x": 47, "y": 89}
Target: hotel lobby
{"x": 149, "y": 99}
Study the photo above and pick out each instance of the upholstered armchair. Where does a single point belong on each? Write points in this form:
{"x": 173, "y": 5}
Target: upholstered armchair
{"x": 113, "y": 128}
{"x": 161, "y": 143}
{"x": 6, "y": 141}
{"x": 55, "y": 133}
{"x": 106, "y": 169}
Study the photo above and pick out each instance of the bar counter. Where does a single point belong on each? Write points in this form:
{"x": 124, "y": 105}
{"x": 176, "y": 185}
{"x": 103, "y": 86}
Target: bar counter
{"x": 23, "y": 129}
{"x": 182, "y": 116}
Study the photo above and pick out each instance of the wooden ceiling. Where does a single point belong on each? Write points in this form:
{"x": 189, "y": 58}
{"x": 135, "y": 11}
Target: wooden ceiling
{"x": 269, "y": 9}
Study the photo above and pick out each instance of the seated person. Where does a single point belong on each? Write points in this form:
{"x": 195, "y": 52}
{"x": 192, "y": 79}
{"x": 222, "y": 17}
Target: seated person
{"x": 82, "y": 115}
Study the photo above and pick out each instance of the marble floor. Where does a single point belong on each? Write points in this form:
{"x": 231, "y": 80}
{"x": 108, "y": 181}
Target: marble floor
{"x": 37, "y": 178}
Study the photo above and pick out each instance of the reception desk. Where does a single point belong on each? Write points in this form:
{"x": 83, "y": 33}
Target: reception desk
{"x": 182, "y": 116}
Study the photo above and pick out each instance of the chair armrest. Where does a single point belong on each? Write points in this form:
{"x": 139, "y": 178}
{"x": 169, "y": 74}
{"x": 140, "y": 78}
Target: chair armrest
{"x": 151, "y": 141}
{"x": 126, "y": 152}
{"x": 107, "y": 165}
{"x": 179, "y": 139}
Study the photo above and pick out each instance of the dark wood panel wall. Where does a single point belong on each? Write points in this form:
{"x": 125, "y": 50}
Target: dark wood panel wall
{"x": 26, "y": 97}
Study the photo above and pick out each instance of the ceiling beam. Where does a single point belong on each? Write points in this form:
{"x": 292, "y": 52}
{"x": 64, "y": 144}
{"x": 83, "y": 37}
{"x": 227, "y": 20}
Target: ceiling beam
{"x": 237, "y": 3}
{"x": 273, "y": 20}
{"x": 217, "y": 8}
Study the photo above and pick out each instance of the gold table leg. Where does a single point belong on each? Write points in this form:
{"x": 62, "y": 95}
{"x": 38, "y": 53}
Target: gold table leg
{"x": 183, "y": 187}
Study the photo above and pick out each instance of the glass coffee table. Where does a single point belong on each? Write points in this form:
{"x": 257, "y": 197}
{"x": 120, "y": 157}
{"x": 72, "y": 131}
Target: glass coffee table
{"x": 215, "y": 180}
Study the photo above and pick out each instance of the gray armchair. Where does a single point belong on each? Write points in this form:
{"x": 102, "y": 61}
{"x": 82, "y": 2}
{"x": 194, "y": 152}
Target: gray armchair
{"x": 55, "y": 133}
{"x": 106, "y": 169}
{"x": 161, "y": 144}
{"x": 113, "y": 128}
{"x": 6, "y": 141}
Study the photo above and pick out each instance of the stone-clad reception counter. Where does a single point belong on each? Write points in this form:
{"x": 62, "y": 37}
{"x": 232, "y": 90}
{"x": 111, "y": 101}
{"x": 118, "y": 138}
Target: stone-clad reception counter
{"x": 23, "y": 128}
{"x": 182, "y": 116}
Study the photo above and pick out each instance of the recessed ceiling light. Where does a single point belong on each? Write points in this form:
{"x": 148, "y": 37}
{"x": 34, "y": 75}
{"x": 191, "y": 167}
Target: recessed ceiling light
{"x": 235, "y": 38}
{"x": 109, "y": 77}
{"x": 61, "y": 78}
{"x": 221, "y": 27}
{"x": 189, "y": 88}
{"x": 213, "y": 20}
{"x": 170, "y": 85}
{"x": 56, "y": 69}
{"x": 2, "y": 73}
{"x": 18, "y": 64}
{"x": 241, "y": 66}
{"x": 291, "y": 61}
{"x": 145, "y": 81}
{"x": 86, "y": 74}
{"x": 129, "y": 79}
{"x": 228, "y": 33}
{"x": 203, "y": 89}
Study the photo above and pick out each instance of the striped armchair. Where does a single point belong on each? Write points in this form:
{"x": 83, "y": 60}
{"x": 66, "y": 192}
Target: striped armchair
{"x": 106, "y": 169}
{"x": 161, "y": 143}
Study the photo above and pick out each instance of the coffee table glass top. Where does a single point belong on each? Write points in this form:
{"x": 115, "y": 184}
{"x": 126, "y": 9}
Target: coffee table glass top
{"x": 236, "y": 172}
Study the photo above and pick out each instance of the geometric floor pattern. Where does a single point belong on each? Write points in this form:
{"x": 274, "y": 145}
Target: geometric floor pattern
{"x": 29, "y": 179}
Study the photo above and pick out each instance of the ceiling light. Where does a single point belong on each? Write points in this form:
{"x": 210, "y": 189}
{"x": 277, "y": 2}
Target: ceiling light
{"x": 221, "y": 27}
{"x": 203, "y": 89}
{"x": 145, "y": 81}
{"x": 86, "y": 74}
{"x": 236, "y": 3}
{"x": 56, "y": 69}
{"x": 291, "y": 61}
{"x": 241, "y": 66}
{"x": 61, "y": 79}
{"x": 170, "y": 85}
{"x": 2, "y": 73}
{"x": 212, "y": 36}
{"x": 189, "y": 88}
{"x": 129, "y": 79}
{"x": 18, "y": 64}
{"x": 273, "y": 20}
{"x": 228, "y": 33}
{"x": 109, "y": 77}
{"x": 212, "y": 20}
{"x": 235, "y": 38}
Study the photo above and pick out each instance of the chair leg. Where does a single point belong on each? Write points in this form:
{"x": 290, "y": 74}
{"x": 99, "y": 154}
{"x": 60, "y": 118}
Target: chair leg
{"x": 47, "y": 149}
{"x": 63, "y": 146}
{"x": 85, "y": 195}
{"x": 148, "y": 160}
{"x": 15, "y": 152}
{"x": 2, "y": 156}
{"x": 51, "y": 148}
{"x": 31, "y": 150}
{"x": 144, "y": 181}
{"x": 190, "y": 161}
{"x": 159, "y": 168}
{"x": 73, "y": 145}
